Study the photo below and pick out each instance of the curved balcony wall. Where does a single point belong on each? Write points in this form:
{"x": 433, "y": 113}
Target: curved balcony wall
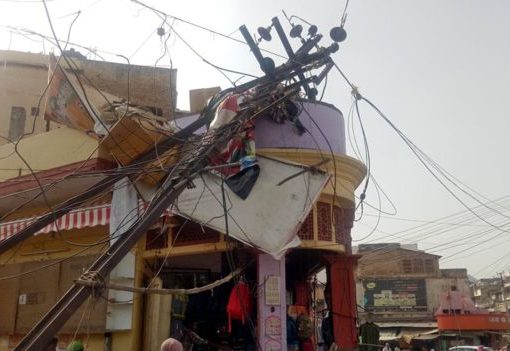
{"x": 328, "y": 226}
{"x": 324, "y": 124}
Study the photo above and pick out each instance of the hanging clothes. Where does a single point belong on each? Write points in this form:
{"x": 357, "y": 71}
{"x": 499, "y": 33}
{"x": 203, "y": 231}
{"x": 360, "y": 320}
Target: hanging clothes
{"x": 369, "y": 333}
{"x": 327, "y": 332}
{"x": 179, "y": 305}
{"x": 292, "y": 334}
{"x": 240, "y": 150}
{"x": 239, "y": 304}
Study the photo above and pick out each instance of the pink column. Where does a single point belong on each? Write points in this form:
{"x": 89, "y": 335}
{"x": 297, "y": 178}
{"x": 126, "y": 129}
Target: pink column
{"x": 271, "y": 304}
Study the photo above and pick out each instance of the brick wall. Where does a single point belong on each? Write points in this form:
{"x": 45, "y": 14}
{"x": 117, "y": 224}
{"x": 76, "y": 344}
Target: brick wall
{"x": 148, "y": 86}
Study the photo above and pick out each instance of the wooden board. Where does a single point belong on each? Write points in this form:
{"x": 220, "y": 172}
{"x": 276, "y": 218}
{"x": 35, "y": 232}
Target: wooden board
{"x": 131, "y": 137}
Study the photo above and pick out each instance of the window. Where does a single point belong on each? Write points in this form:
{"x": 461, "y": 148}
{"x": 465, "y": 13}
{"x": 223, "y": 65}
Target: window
{"x": 418, "y": 265}
{"x": 17, "y": 123}
{"x": 407, "y": 266}
{"x": 429, "y": 266}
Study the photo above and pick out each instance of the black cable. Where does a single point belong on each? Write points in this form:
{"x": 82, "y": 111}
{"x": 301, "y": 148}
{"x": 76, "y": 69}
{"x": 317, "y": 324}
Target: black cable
{"x": 461, "y": 217}
{"x": 354, "y": 145}
{"x": 344, "y": 14}
{"x": 367, "y": 153}
{"x": 330, "y": 148}
{"x": 220, "y": 69}
{"x": 161, "y": 13}
{"x": 49, "y": 39}
{"x": 374, "y": 229}
{"x": 418, "y": 152}
{"x": 436, "y": 233}
{"x": 324, "y": 88}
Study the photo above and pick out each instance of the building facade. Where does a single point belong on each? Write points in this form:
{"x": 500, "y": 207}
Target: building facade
{"x": 460, "y": 322}
{"x": 24, "y": 78}
{"x": 56, "y": 163}
{"x": 399, "y": 287}
{"x": 492, "y": 294}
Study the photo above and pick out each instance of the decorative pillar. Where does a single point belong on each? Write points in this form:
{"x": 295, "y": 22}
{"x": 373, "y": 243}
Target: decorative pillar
{"x": 344, "y": 219}
{"x": 271, "y": 304}
{"x": 340, "y": 275}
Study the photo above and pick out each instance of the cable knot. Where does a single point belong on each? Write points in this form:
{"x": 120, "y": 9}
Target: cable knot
{"x": 97, "y": 281}
{"x": 355, "y": 92}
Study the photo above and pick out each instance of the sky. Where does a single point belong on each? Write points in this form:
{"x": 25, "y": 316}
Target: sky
{"x": 439, "y": 70}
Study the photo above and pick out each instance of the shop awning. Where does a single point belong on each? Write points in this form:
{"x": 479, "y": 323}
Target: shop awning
{"x": 76, "y": 219}
{"x": 426, "y": 337}
{"x": 407, "y": 333}
{"x": 418, "y": 334}
{"x": 389, "y": 334}
{"x": 424, "y": 325}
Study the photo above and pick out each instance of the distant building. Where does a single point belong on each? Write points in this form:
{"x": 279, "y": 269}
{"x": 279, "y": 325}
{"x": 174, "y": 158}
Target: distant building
{"x": 399, "y": 286}
{"x": 460, "y": 322}
{"x": 492, "y": 294}
{"x": 24, "y": 77}
{"x": 486, "y": 292}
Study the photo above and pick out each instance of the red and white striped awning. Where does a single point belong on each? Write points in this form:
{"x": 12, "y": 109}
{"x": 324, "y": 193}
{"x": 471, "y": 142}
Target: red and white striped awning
{"x": 75, "y": 219}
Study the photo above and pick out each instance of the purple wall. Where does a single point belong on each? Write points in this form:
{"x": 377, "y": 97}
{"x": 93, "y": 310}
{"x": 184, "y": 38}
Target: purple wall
{"x": 320, "y": 117}
{"x": 269, "y": 134}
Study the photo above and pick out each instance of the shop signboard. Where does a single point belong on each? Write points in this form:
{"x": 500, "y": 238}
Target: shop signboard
{"x": 273, "y": 345}
{"x": 273, "y": 326}
{"x": 272, "y": 290}
{"x": 395, "y": 295}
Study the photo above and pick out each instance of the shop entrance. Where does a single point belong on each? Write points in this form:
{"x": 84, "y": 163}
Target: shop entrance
{"x": 200, "y": 319}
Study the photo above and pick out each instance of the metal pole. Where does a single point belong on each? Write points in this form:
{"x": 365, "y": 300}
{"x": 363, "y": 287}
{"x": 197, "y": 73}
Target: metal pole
{"x": 503, "y": 297}
{"x": 290, "y": 52}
